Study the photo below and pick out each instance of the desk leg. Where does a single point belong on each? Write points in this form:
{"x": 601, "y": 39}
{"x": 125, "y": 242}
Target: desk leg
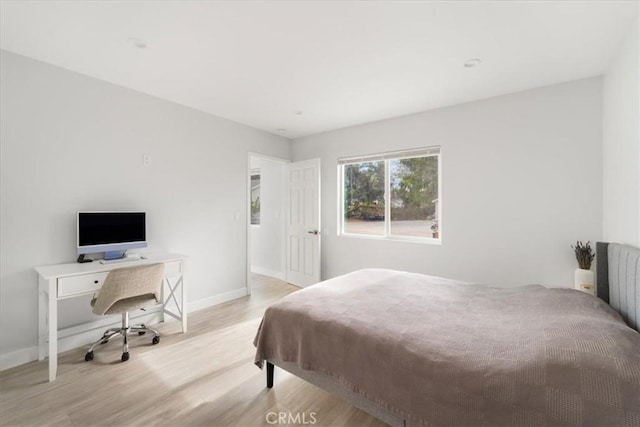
{"x": 165, "y": 282}
{"x": 43, "y": 308}
{"x": 53, "y": 331}
{"x": 183, "y": 302}
{"x": 170, "y": 293}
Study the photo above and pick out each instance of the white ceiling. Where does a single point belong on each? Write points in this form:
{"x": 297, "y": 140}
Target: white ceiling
{"x": 340, "y": 63}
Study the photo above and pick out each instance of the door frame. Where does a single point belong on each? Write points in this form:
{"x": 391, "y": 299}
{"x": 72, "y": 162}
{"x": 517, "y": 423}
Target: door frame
{"x": 285, "y": 203}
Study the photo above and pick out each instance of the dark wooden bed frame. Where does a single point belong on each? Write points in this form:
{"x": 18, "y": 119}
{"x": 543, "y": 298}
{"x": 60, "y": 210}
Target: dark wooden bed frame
{"x": 270, "y": 374}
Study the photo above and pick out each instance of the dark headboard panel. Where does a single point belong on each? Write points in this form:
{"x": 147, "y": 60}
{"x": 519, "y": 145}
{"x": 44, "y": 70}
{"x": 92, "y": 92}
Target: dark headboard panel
{"x": 602, "y": 271}
{"x": 618, "y": 280}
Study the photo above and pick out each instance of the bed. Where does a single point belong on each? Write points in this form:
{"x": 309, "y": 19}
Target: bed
{"x": 412, "y": 349}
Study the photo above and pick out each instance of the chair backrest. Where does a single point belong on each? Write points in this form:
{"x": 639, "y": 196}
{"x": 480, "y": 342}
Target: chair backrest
{"x": 128, "y": 283}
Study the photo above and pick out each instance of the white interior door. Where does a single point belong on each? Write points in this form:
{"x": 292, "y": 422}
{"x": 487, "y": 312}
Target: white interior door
{"x": 303, "y": 223}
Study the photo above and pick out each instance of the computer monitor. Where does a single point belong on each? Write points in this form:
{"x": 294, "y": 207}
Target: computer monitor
{"x": 111, "y": 232}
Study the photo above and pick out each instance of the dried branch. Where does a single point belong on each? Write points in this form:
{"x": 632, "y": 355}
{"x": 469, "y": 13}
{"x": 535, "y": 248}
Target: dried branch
{"x": 584, "y": 254}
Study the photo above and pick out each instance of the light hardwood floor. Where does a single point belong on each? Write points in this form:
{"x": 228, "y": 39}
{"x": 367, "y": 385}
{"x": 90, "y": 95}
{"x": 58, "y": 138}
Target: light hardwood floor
{"x": 204, "y": 377}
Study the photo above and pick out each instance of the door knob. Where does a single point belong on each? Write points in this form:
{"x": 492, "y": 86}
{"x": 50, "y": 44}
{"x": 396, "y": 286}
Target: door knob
{"x": 313, "y": 232}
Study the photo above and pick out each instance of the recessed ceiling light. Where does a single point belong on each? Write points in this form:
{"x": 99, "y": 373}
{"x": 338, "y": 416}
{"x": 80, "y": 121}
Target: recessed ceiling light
{"x": 472, "y": 63}
{"x": 281, "y": 130}
{"x": 136, "y": 42}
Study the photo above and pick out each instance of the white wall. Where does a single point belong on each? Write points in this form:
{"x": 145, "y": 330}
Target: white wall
{"x": 522, "y": 181}
{"x": 267, "y": 239}
{"x": 71, "y": 142}
{"x": 621, "y": 143}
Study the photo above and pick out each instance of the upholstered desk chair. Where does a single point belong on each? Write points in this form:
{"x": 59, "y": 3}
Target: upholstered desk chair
{"x": 124, "y": 290}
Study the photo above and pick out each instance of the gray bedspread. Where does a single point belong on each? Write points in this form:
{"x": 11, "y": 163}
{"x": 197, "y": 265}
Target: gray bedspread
{"x": 443, "y": 353}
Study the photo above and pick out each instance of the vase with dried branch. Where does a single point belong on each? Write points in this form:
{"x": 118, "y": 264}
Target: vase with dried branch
{"x": 584, "y": 277}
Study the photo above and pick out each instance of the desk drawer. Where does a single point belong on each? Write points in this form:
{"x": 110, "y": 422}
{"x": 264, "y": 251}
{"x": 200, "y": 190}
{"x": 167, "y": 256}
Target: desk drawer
{"x": 173, "y": 268}
{"x": 78, "y": 285}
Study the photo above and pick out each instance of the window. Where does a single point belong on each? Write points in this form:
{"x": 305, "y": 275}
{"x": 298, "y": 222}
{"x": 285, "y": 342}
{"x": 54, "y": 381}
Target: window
{"x": 391, "y": 195}
{"x": 255, "y": 197}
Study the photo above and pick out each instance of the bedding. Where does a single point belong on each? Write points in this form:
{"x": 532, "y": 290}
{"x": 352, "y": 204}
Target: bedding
{"x": 436, "y": 351}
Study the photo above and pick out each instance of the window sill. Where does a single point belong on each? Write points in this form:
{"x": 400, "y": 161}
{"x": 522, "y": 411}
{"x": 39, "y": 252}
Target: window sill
{"x": 422, "y": 240}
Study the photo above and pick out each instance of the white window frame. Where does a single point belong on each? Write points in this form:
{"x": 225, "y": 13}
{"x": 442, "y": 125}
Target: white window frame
{"x": 387, "y": 157}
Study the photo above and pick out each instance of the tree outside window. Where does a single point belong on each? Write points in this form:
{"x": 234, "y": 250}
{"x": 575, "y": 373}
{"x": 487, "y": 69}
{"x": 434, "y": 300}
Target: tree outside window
{"x": 364, "y": 201}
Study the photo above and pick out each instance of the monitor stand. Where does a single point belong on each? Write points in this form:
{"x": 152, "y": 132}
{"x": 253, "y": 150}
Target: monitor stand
{"x": 109, "y": 255}
{"x": 82, "y": 259}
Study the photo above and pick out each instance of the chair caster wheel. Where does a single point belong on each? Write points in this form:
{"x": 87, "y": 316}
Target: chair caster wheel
{"x": 125, "y": 356}
{"x": 155, "y": 340}
{"x": 142, "y": 332}
{"x": 88, "y": 357}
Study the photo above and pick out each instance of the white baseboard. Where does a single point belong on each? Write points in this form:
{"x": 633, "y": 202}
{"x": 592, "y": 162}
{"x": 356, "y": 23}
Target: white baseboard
{"x": 18, "y": 357}
{"x": 267, "y": 272}
{"x": 86, "y": 334}
{"x": 216, "y": 299}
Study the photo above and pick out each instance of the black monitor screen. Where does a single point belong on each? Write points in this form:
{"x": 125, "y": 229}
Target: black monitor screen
{"x": 99, "y": 228}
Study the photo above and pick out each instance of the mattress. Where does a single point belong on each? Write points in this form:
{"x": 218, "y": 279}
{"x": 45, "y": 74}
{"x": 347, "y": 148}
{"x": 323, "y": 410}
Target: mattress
{"x": 435, "y": 351}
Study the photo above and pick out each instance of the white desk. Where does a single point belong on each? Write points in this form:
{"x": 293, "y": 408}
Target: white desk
{"x": 61, "y": 281}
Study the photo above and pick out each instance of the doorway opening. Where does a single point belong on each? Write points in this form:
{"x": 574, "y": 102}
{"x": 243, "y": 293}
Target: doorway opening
{"x": 266, "y": 217}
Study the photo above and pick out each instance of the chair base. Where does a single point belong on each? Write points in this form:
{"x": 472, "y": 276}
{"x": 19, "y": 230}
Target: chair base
{"x": 124, "y": 332}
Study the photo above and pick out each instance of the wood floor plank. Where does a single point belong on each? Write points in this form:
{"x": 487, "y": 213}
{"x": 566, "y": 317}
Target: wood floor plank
{"x": 204, "y": 377}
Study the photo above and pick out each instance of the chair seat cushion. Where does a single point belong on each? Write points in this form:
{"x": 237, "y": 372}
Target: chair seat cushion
{"x": 129, "y": 304}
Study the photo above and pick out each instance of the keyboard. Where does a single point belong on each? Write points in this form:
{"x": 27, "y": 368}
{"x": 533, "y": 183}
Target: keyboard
{"x": 115, "y": 261}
